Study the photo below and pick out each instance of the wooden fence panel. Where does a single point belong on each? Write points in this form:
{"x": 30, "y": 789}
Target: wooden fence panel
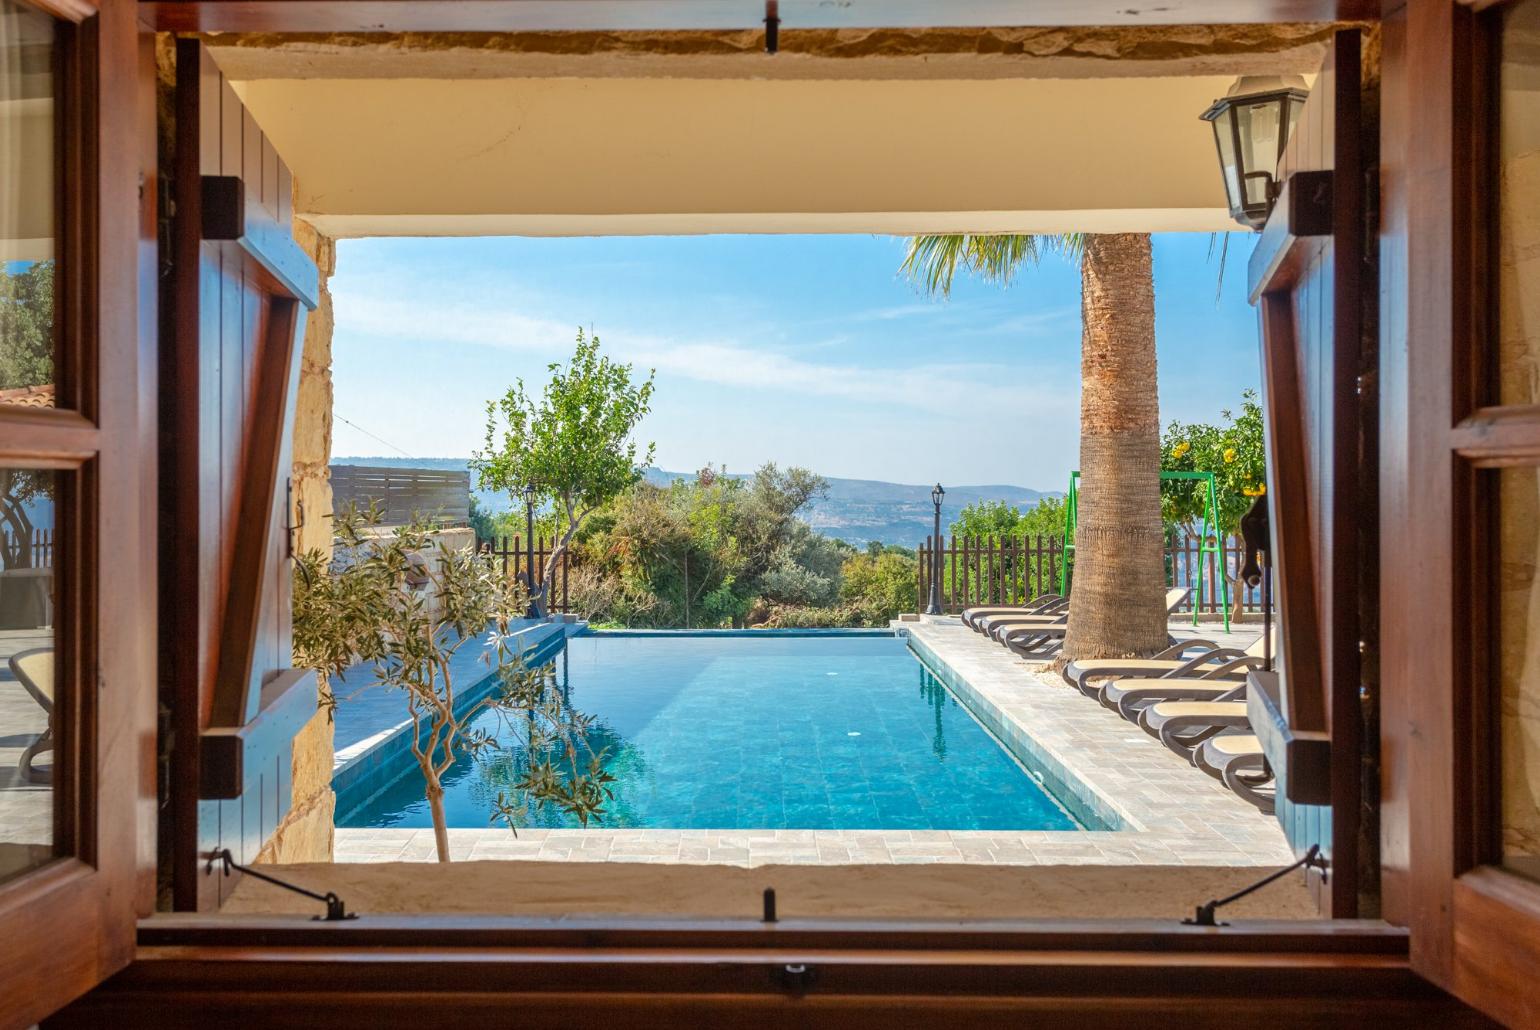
{"x": 443, "y": 495}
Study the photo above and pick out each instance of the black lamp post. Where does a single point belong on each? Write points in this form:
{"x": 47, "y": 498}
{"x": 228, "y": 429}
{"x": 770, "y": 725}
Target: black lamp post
{"x": 530, "y": 492}
{"x": 1251, "y": 124}
{"x": 937, "y": 494}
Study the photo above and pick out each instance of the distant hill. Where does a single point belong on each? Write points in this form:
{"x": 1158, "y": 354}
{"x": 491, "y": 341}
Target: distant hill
{"x": 856, "y": 510}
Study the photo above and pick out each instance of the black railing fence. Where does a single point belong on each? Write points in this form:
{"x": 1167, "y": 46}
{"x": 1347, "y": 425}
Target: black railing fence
{"x": 1011, "y": 570}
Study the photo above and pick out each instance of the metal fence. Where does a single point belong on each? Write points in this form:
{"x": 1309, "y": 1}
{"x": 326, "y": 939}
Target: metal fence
{"x": 1013, "y": 570}
{"x": 514, "y": 556}
{"x": 36, "y": 554}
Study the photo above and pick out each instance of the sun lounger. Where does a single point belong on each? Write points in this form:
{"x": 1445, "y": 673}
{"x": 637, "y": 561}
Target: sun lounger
{"x": 999, "y": 627}
{"x": 1036, "y": 642}
{"x": 991, "y": 624}
{"x": 1238, "y": 762}
{"x": 1038, "y": 605}
{"x": 1177, "y": 660}
{"x": 1126, "y": 696}
{"x": 1183, "y": 725}
{"x": 34, "y": 671}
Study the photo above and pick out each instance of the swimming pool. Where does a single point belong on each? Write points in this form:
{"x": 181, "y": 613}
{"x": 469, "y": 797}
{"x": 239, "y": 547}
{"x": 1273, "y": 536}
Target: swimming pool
{"x": 759, "y": 731}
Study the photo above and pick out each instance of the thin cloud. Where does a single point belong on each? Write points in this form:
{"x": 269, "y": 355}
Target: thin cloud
{"x": 1034, "y": 322}
{"x": 942, "y": 388}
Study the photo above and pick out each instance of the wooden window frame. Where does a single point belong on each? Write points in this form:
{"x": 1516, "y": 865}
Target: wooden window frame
{"x": 1475, "y": 927}
{"x": 177, "y": 955}
{"x": 71, "y": 921}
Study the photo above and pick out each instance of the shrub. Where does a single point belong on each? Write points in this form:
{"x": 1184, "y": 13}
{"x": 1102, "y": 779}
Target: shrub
{"x": 881, "y": 585}
{"x": 801, "y": 617}
{"x": 592, "y": 595}
{"x": 788, "y": 583}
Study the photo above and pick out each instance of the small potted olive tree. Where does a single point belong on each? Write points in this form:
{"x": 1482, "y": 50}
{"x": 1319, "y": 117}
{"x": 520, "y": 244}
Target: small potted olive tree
{"x": 406, "y": 604}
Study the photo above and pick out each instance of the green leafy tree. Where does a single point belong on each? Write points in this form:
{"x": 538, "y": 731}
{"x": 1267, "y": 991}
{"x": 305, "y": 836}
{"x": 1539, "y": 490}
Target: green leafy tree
{"x": 986, "y": 519}
{"x": 997, "y": 520}
{"x": 574, "y": 444}
{"x": 707, "y": 552}
{"x": 26, "y": 359}
{"x": 1236, "y": 454}
{"x": 406, "y": 604}
{"x": 767, "y": 518}
{"x": 881, "y": 584}
{"x": 1116, "y": 606}
{"x": 27, "y": 325}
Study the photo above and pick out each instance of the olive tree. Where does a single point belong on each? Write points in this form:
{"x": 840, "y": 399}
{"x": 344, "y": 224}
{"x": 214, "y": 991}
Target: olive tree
{"x": 407, "y": 604}
{"x": 573, "y": 444}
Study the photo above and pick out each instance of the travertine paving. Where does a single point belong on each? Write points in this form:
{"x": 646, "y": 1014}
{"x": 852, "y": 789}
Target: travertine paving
{"x": 1164, "y": 811}
{"x": 26, "y": 807}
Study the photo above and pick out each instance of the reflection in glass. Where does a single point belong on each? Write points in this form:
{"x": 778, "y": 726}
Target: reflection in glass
{"x": 27, "y": 206}
{"x": 1519, "y": 205}
{"x": 26, "y": 668}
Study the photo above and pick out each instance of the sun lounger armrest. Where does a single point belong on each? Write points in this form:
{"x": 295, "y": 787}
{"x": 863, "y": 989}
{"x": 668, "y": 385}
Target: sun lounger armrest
{"x": 1131, "y": 698}
{"x": 1179, "y": 648}
{"x": 1245, "y": 661}
{"x": 1196, "y": 664}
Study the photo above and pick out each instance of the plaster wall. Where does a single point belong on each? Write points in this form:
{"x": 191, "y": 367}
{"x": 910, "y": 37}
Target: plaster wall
{"x": 561, "y": 156}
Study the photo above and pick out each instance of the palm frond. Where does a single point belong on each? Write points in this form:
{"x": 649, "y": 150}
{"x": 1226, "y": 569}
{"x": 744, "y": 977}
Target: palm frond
{"x": 932, "y": 260}
{"x": 1223, "y": 239}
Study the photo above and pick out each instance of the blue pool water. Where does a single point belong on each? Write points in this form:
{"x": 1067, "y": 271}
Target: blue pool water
{"x": 761, "y": 732}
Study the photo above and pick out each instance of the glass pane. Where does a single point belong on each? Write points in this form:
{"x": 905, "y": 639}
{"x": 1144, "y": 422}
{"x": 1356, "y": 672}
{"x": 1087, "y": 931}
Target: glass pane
{"x": 1258, "y": 125}
{"x": 1518, "y": 194}
{"x": 27, "y": 177}
{"x": 1224, "y": 135}
{"x": 26, "y": 668}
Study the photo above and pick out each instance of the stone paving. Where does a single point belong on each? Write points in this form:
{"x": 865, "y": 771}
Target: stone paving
{"x": 26, "y": 807}
{"x": 1165, "y": 812}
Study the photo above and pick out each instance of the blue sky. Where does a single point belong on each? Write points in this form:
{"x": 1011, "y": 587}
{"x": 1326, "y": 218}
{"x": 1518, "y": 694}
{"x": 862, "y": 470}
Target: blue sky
{"x": 804, "y": 350}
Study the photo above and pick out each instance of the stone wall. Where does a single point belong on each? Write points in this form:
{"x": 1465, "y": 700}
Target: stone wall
{"x": 305, "y": 835}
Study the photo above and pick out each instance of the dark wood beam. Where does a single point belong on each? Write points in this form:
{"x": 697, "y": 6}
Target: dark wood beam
{"x": 654, "y": 15}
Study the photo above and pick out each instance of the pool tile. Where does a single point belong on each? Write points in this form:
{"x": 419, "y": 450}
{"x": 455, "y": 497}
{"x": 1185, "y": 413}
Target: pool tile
{"x": 1171, "y": 813}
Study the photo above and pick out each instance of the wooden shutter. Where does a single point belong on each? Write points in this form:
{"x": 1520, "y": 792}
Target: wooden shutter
{"x": 1306, "y": 280}
{"x": 230, "y": 373}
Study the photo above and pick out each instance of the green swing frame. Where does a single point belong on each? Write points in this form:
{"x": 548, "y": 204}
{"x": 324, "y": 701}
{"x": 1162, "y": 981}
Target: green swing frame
{"x": 1210, "y": 520}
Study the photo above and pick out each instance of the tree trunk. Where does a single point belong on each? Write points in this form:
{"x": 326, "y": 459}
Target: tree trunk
{"x": 541, "y": 600}
{"x": 435, "y": 795}
{"x": 1117, "y": 605}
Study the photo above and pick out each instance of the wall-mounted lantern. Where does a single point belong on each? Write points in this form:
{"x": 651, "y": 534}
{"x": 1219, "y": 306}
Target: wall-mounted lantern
{"x": 1251, "y": 126}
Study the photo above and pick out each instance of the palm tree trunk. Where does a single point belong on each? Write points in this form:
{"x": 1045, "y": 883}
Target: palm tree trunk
{"x": 1117, "y": 605}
